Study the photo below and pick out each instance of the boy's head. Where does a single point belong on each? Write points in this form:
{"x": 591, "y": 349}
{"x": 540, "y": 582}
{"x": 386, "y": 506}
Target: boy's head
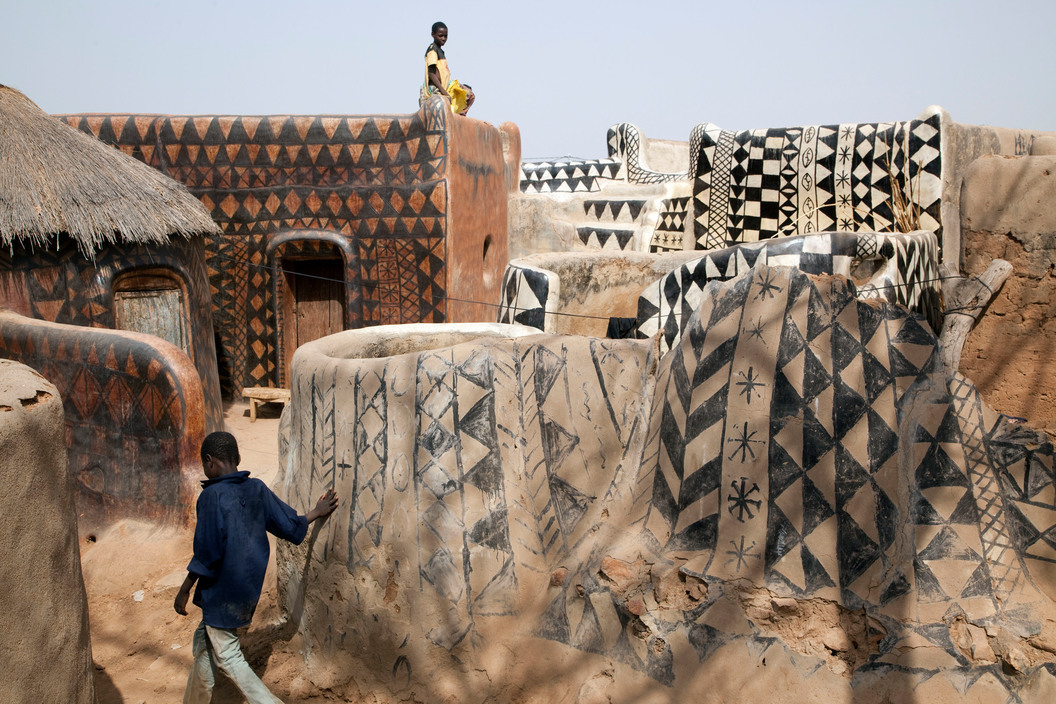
{"x": 220, "y": 454}
{"x": 440, "y": 33}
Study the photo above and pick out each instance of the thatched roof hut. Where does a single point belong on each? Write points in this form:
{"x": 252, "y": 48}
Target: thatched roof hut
{"x": 55, "y": 179}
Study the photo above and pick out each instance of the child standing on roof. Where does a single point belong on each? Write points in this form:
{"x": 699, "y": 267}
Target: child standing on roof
{"x": 438, "y": 79}
{"x": 235, "y": 514}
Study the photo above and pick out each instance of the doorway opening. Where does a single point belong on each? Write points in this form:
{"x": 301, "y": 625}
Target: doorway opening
{"x": 313, "y": 304}
{"x": 153, "y": 302}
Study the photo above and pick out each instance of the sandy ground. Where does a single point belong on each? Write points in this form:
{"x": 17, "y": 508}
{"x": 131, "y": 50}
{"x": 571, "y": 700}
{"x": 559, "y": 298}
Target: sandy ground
{"x": 132, "y": 571}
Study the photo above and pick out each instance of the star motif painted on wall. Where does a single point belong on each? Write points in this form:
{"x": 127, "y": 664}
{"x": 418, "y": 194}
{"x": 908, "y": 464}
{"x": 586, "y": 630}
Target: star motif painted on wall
{"x": 743, "y": 443}
{"x": 740, "y": 502}
{"x": 748, "y": 385}
{"x": 740, "y": 553}
{"x": 845, "y": 154}
{"x": 756, "y": 331}
{"x": 767, "y": 287}
{"x": 848, "y": 131}
{"x": 842, "y": 178}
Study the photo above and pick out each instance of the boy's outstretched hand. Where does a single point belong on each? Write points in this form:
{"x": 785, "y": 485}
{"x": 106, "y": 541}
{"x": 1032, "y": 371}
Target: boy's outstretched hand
{"x": 324, "y": 507}
{"x": 180, "y": 604}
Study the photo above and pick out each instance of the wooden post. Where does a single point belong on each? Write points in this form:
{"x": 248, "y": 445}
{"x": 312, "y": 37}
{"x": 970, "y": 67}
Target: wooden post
{"x": 965, "y": 300}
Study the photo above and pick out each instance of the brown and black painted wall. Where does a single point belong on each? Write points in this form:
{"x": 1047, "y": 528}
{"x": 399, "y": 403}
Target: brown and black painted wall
{"x": 333, "y": 222}
{"x": 159, "y": 289}
{"x": 134, "y": 416}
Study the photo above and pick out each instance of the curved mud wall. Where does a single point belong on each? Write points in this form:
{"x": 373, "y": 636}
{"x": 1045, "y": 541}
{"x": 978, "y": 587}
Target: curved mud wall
{"x": 44, "y": 641}
{"x": 62, "y": 286}
{"x": 135, "y": 416}
{"x": 797, "y": 498}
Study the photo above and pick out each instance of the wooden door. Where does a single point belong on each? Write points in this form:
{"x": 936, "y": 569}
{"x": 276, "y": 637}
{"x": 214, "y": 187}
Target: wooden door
{"x": 153, "y": 311}
{"x": 313, "y": 304}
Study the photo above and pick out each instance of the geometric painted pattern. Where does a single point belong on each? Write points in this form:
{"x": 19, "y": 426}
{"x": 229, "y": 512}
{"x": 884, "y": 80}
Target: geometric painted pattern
{"x": 132, "y": 419}
{"x": 624, "y": 143}
{"x": 61, "y": 286}
{"x": 906, "y": 272}
{"x": 670, "y": 225}
{"x": 796, "y": 438}
{"x": 526, "y": 295}
{"x": 380, "y": 181}
{"x": 567, "y": 175}
{"x": 606, "y": 238}
{"x": 784, "y": 428}
{"x": 757, "y": 184}
{"x": 427, "y": 440}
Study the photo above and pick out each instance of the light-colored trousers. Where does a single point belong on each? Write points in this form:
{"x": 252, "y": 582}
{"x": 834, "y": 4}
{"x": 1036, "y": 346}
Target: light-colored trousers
{"x": 218, "y": 649}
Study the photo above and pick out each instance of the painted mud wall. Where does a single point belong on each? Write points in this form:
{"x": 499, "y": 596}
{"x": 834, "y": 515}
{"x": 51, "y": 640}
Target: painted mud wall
{"x": 748, "y": 185}
{"x": 134, "y": 416}
{"x": 796, "y": 498}
{"x": 637, "y": 295}
{"x": 416, "y": 197}
{"x": 61, "y": 285}
{"x": 44, "y": 640}
{"x": 477, "y": 249}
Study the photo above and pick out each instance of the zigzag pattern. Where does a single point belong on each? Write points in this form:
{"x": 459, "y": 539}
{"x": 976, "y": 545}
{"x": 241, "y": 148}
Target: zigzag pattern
{"x": 567, "y": 176}
{"x": 606, "y": 238}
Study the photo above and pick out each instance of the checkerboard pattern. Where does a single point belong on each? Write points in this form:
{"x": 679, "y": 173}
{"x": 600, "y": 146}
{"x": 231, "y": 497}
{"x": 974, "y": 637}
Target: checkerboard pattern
{"x": 757, "y": 184}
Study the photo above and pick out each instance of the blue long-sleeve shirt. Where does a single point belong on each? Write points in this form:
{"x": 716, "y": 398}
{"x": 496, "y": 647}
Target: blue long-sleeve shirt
{"x": 231, "y": 549}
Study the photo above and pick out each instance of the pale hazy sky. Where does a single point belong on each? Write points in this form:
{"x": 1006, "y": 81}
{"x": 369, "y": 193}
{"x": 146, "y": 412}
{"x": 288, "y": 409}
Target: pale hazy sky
{"x": 562, "y": 71}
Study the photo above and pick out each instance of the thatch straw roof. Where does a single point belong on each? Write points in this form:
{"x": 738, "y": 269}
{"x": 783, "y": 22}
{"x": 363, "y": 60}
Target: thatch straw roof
{"x": 55, "y": 179}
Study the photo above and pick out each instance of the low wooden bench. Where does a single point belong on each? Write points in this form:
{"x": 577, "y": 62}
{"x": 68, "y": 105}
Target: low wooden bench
{"x": 257, "y": 395}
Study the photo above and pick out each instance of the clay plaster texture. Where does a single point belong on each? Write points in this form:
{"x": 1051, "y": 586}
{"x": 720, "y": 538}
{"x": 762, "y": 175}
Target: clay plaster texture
{"x": 797, "y": 498}
{"x": 1009, "y": 213}
{"x": 44, "y": 641}
{"x": 575, "y": 293}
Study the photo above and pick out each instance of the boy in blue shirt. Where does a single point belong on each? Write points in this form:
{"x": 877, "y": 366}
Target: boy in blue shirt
{"x": 231, "y": 552}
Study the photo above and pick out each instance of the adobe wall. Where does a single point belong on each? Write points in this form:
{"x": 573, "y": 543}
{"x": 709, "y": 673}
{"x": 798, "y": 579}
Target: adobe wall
{"x": 1009, "y": 212}
{"x": 61, "y": 285}
{"x": 413, "y": 199}
{"x": 583, "y": 290}
{"x": 748, "y": 185}
{"x": 797, "y": 498}
{"x": 477, "y": 242}
{"x": 134, "y": 416}
{"x": 44, "y": 640}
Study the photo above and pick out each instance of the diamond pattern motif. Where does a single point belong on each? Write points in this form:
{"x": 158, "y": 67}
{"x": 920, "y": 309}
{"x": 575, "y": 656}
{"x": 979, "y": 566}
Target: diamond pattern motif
{"x": 380, "y": 180}
{"x": 757, "y": 184}
{"x": 131, "y": 430}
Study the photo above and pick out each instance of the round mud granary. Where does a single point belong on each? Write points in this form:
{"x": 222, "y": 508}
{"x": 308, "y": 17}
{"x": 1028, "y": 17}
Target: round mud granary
{"x": 44, "y": 637}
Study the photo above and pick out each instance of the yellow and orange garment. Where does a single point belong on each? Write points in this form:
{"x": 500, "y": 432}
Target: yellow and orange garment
{"x": 434, "y": 56}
